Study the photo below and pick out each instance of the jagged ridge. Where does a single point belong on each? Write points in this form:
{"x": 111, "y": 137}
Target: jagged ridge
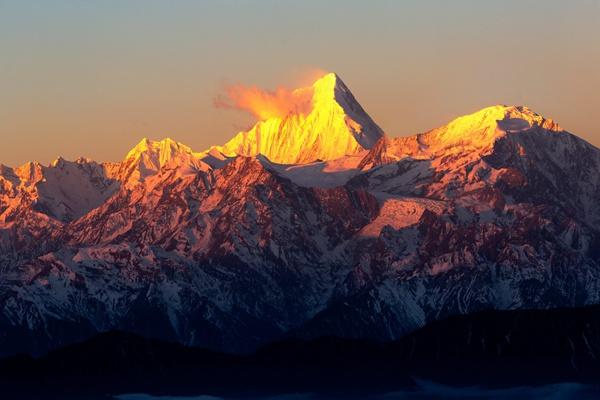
{"x": 495, "y": 210}
{"x": 336, "y": 126}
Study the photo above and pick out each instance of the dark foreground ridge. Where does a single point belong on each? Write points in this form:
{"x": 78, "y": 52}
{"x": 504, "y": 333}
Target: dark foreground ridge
{"x": 495, "y": 348}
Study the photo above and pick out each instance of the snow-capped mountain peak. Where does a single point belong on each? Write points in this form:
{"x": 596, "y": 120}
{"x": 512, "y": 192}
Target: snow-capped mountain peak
{"x": 148, "y": 157}
{"x": 469, "y": 137}
{"x": 480, "y": 129}
{"x": 157, "y": 153}
{"x": 335, "y": 126}
{"x": 64, "y": 190}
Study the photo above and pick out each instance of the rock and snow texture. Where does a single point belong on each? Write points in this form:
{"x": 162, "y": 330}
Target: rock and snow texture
{"x": 336, "y": 126}
{"x": 497, "y": 209}
{"x": 64, "y": 190}
{"x": 149, "y": 157}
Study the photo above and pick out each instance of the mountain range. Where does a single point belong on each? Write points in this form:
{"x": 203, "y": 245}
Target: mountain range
{"x": 308, "y": 225}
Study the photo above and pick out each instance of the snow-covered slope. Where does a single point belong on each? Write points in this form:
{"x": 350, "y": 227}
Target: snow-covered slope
{"x": 471, "y": 135}
{"x": 325, "y": 174}
{"x": 63, "y": 190}
{"x": 336, "y": 126}
{"x": 497, "y": 209}
{"x": 504, "y": 149}
{"x": 149, "y": 157}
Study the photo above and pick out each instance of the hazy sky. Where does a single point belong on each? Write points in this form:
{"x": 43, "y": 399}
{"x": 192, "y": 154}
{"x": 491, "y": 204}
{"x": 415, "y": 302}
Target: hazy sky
{"x": 92, "y": 78}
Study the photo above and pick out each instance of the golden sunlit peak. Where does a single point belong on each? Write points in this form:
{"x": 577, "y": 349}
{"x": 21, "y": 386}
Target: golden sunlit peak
{"x": 328, "y": 84}
{"x": 164, "y": 146}
{"x": 140, "y": 146}
{"x": 58, "y": 162}
{"x": 482, "y": 128}
{"x": 326, "y": 122}
{"x": 505, "y": 118}
{"x": 146, "y": 144}
{"x": 329, "y": 80}
{"x": 150, "y": 156}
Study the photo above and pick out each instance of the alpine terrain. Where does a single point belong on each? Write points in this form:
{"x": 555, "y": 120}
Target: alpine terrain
{"x": 313, "y": 224}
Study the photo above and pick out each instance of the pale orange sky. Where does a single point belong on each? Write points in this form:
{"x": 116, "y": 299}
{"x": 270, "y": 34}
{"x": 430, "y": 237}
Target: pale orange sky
{"x": 92, "y": 78}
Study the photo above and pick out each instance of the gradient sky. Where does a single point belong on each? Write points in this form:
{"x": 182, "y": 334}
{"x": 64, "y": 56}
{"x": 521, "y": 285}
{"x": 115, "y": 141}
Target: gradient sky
{"x": 92, "y": 78}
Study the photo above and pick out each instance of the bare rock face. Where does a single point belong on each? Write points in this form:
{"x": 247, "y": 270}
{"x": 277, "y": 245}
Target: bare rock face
{"x": 231, "y": 249}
